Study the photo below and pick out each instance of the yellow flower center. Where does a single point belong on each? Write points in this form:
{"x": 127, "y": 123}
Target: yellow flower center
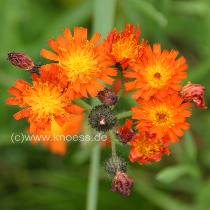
{"x": 80, "y": 63}
{"x": 125, "y": 48}
{"x": 157, "y": 75}
{"x": 147, "y": 148}
{"x": 44, "y": 101}
{"x": 161, "y": 116}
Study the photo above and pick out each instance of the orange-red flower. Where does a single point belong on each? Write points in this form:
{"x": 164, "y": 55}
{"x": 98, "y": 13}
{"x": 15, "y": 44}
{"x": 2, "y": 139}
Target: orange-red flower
{"x": 147, "y": 148}
{"x": 165, "y": 118}
{"x": 125, "y": 133}
{"x": 157, "y": 74}
{"x": 194, "y": 93}
{"x": 124, "y": 47}
{"x": 81, "y": 64}
{"x": 47, "y": 108}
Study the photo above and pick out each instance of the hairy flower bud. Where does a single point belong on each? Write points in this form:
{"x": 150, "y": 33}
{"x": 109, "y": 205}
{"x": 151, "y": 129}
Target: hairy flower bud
{"x": 23, "y": 61}
{"x": 122, "y": 183}
{"x": 107, "y": 97}
{"x": 194, "y": 93}
{"x": 115, "y": 164}
{"x": 102, "y": 118}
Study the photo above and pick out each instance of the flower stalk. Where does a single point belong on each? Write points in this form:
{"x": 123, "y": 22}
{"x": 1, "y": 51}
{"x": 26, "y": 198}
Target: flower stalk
{"x": 124, "y": 115}
{"x": 104, "y": 12}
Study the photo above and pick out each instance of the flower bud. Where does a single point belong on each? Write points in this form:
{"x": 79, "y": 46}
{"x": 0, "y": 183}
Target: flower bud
{"x": 122, "y": 183}
{"x": 125, "y": 133}
{"x": 21, "y": 60}
{"x": 194, "y": 93}
{"x": 115, "y": 164}
{"x": 107, "y": 97}
{"x": 102, "y": 118}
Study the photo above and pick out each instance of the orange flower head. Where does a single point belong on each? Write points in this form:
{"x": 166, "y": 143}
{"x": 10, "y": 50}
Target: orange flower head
{"x": 157, "y": 74}
{"x": 124, "y": 46}
{"x": 165, "y": 118}
{"x": 147, "y": 148}
{"x": 46, "y": 107}
{"x": 80, "y": 62}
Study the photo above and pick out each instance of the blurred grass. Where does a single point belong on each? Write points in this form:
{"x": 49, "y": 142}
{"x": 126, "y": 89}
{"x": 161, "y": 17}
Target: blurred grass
{"x": 31, "y": 177}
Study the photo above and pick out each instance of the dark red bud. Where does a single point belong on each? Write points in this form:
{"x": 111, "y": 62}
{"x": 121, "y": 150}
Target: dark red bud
{"x": 107, "y": 97}
{"x": 21, "y": 60}
{"x": 122, "y": 183}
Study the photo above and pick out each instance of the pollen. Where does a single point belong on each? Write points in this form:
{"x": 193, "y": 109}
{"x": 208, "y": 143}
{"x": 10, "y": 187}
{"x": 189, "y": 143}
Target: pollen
{"x": 157, "y": 75}
{"x": 125, "y": 48}
{"x": 81, "y": 63}
{"x": 44, "y": 100}
{"x": 161, "y": 116}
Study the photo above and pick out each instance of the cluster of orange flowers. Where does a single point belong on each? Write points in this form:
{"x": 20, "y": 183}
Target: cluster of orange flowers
{"x": 82, "y": 68}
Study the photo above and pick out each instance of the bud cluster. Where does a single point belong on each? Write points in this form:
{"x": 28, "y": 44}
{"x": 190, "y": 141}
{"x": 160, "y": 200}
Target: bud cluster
{"x": 116, "y": 167}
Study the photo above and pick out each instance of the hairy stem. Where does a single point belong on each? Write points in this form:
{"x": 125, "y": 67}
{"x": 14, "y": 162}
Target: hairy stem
{"x": 113, "y": 146}
{"x": 92, "y": 193}
{"x": 124, "y": 115}
{"x": 104, "y": 12}
{"x": 83, "y": 104}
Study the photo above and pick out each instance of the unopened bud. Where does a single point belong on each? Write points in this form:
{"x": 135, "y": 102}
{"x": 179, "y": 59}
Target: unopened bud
{"x": 102, "y": 118}
{"x": 107, "y": 97}
{"x": 122, "y": 183}
{"x": 115, "y": 164}
{"x": 23, "y": 61}
{"x": 194, "y": 93}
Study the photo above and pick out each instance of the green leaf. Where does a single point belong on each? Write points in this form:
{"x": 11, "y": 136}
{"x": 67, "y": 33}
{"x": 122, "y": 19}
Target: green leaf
{"x": 104, "y": 19}
{"x": 149, "y": 10}
{"x": 203, "y": 201}
{"x": 161, "y": 199}
{"x": 189, "y": 7}
{"x": 172, "y": 173}
{"x": 189, "y": 147}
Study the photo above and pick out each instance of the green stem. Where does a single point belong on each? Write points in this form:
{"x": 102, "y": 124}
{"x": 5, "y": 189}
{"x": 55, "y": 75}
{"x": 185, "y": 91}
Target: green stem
{"x": 83, "y": 104}
{"x": 92, "y": 194}
{"x": 124, "y": 114}
{"x": 104, "y": 12}
{"x": 113, "y": 146}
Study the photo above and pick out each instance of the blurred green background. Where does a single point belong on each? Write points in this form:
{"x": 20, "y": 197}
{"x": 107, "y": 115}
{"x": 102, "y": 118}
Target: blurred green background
{"x": 32, "y": 178}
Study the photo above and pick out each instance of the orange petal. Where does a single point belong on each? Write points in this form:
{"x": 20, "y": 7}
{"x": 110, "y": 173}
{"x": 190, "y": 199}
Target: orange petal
{"x": 22, "y": 114}
{"x": 12, "y": 101}
{"x": 96, "y": 36}
{"x": 14, "y": 91}
{"x": 53, "y": 44}
{"x": 80, "y": 35}
{"x": 49, "y": 55}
